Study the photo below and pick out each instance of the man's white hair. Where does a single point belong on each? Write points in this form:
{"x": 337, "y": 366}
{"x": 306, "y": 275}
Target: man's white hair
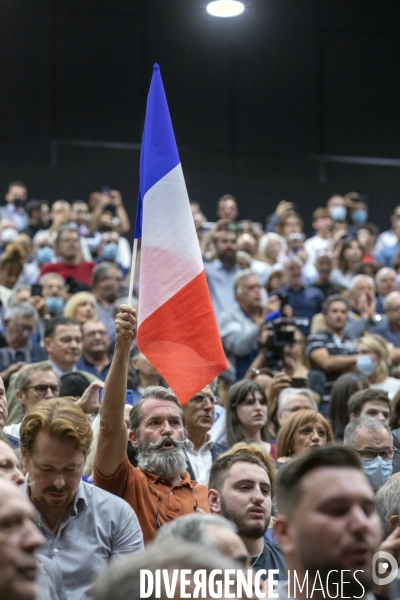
{"x": 245, "y": 274}
{"x": 357, "y": 278}
{"x": 389, "y": 298}
{"x": 266, "y": 238}
{"x": 385, "y": 271}
{"x": 284, "y": 396}
{"x": 368, "y": 424}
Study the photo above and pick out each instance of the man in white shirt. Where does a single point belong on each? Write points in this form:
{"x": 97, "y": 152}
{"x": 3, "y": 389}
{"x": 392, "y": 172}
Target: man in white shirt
{"x": 200, "y": 450}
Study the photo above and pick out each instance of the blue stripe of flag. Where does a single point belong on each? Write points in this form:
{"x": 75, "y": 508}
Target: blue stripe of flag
{"x": 159, "y": 153}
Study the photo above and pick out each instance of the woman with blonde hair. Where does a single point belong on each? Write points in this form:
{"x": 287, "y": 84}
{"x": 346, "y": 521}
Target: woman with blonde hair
{"x": 82, "y": 307}
{"x": 11, "y": 264}
{"x": 304, "y": 429}
{"x": 271, "y": 249}
{"x": 375, "y": 363}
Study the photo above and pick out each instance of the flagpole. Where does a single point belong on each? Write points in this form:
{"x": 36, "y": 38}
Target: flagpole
{"x": 133, "y": 268}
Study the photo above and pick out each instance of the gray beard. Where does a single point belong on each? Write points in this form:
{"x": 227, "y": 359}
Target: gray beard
{"x": 166, "y": 463}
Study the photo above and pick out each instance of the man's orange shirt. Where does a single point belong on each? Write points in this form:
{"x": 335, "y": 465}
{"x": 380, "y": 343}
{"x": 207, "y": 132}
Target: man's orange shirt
{"x": 140, "y": 488}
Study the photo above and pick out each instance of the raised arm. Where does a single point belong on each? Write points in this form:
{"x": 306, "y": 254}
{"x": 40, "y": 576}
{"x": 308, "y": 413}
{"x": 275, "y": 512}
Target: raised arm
{"x": 111, "y": 447}
{"x": 124, "y": 223}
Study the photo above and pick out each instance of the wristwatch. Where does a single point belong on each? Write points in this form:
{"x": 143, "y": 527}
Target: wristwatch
{"x": 375, "y": 320}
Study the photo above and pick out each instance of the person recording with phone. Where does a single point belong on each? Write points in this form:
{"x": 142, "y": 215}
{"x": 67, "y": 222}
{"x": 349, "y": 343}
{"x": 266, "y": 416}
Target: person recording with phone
{"x": 108, "y": 201}
{"x": 282, "y": 348}
{"x": 15, "y": 198}
{"x": 305, "y": 301}
{"x": 240, "y": 327}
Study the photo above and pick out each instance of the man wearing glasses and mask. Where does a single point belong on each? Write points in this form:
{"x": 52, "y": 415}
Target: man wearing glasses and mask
{"x": 160, "y": 489}
{"x": 200, "y": 450}
{"x": 373, "y": 441}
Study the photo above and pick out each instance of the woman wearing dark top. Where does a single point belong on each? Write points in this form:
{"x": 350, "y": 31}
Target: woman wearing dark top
{"x": 247, "y": 415}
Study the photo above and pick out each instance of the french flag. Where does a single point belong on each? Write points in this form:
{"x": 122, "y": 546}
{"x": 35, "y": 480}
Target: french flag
{"x": 177, "y": 330}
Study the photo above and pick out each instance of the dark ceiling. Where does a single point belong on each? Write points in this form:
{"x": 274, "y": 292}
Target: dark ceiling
{"x": 251, "y": 98}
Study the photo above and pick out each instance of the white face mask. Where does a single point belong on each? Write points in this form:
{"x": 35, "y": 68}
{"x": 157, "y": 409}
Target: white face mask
{"x": 338, "y": 213}
{"x": 377, "y": 471}
{"x": 365, "y": 364}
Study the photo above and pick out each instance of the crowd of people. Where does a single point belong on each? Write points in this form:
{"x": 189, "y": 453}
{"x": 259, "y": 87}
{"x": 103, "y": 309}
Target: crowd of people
{"x": 287, "y": 462}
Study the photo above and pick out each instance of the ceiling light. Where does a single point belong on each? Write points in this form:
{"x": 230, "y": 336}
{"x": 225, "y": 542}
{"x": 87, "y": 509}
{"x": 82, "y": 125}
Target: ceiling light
{"x": 225, "y": 8}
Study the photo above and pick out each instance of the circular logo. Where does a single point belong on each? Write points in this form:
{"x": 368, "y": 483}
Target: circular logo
{"x": 381, "y": 569}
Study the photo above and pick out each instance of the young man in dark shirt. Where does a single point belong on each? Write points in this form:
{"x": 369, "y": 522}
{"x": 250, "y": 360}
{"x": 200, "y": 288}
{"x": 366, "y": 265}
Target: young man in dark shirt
{"x": 331, "y": 351}
{"x": 240, "y": 488}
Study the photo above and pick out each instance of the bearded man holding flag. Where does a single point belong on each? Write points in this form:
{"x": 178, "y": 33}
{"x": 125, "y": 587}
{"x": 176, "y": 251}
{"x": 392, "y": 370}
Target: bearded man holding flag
{"x": 177, "y": 332}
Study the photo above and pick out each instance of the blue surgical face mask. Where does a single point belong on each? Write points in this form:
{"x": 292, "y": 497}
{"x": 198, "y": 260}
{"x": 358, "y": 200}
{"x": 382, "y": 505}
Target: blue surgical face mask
{"x": 45, "y": 254}
{"x": 377, "y": 471}
{"x": 110, "y": 251}
{"x": 338, "y": 213}
{"x": 359, "y": 216}
{"x": 365, "y": 364}
{"x": 54, "y": 304}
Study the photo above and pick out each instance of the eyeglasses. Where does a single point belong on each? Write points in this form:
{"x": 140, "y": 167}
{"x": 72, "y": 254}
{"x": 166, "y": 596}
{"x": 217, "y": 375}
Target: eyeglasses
{"x": 371, "y": 454}
{"x": 198, "y": 400}
{"x": 308, "y": 431}
{"x": 41, "y": 389}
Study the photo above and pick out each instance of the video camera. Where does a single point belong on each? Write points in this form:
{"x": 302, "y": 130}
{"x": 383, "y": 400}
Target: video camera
{"x": 281, "y": 335}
